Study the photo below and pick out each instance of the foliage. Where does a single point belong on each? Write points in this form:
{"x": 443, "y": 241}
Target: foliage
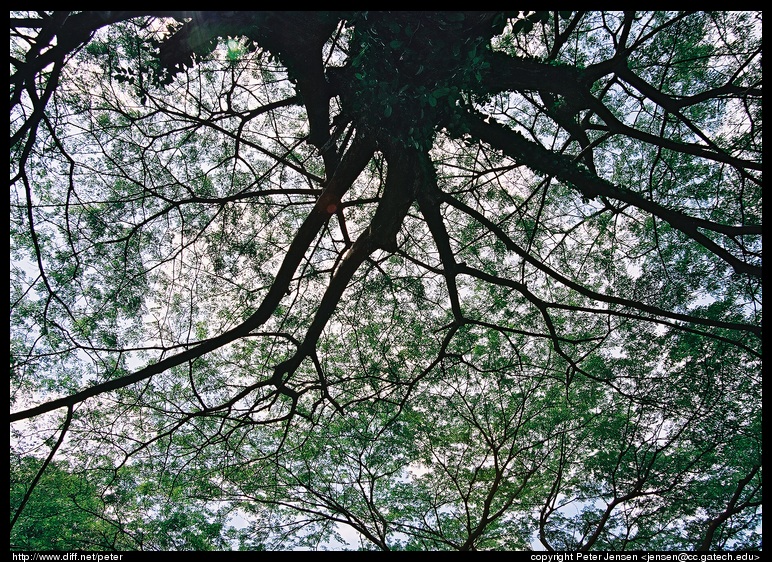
{"x": 385, "y": 280}
{"x": 94, "y": 510}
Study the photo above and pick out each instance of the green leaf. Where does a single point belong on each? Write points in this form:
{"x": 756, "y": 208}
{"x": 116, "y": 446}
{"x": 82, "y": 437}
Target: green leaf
{"x": 522, "y": 26}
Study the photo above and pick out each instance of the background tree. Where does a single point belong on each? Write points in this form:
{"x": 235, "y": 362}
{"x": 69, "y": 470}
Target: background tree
{"x": 450, "y": 280}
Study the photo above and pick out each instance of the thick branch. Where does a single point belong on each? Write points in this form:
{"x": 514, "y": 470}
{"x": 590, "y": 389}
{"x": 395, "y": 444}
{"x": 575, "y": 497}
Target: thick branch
{"x": 589, "y": 185}
{"x": 512, "y": 246}
{"x": 402, "y": 182}
{"x": 509, "y": 73}
{"x": 733, "y": 507}
{"x": 351, "y": 166}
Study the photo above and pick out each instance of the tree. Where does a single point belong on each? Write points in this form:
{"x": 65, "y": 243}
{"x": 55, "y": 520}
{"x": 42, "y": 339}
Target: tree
{"x": 451, "y": 280}
{"x": 98, "y": 509}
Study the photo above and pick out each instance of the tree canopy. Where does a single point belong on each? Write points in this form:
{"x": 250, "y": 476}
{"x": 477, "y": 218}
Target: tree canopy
{"x": 385, "y": 280}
